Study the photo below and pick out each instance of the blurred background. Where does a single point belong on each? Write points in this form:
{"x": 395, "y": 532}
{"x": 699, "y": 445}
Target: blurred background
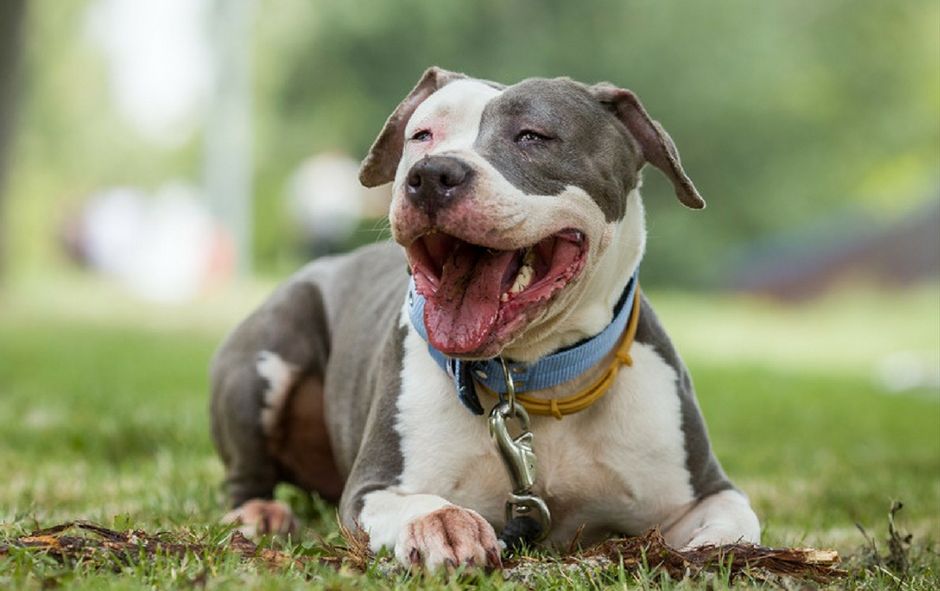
{"x": 163, "y": 163}
{"x": 811, "y": 128}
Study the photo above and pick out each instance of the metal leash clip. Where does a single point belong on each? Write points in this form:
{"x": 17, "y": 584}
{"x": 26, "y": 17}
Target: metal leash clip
{"x": 519, "y": 458}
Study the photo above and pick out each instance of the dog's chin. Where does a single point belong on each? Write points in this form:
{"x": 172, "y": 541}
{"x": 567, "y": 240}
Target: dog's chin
{"x": 479, "y": 299}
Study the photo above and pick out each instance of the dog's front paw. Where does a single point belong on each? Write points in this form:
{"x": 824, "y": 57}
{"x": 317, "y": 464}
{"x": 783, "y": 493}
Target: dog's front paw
{"x": 718, "y": 534}
{"x": 450, "y": 537}
{"x": 259, "y": 517}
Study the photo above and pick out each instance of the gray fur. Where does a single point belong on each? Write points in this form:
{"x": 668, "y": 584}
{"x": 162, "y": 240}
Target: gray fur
{"x": 587, "y": 148}
{"x": 378, "y": 463}
{"x": 293, "y": 324}
{"x": 337, "y": 319}
{"x": 705, "y": 472}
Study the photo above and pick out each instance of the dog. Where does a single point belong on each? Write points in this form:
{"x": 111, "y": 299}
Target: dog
{"x": 519, "y": 229}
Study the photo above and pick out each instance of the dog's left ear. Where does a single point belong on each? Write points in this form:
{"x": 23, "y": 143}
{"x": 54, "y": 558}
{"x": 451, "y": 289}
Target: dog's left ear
{"x": 380, "y": 163}
{"x": 655, "y": 143}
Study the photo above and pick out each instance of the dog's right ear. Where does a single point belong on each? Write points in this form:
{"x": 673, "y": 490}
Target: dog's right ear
{"x": 380, "y": 163}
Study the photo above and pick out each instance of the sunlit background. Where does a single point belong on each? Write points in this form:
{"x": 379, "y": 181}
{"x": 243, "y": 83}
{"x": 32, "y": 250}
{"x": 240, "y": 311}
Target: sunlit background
{"x": 163, "y": 163}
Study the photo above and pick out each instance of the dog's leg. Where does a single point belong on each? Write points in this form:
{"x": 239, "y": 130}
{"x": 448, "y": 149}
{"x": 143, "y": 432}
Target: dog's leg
{"x": 428, "y": 530}
{"x": 267, "y": 369}
{"x": 725, "y": 517}
{"x": 237, "y": 405}
{"x": 422, "y": 529}
{"x": 241, "y": 403}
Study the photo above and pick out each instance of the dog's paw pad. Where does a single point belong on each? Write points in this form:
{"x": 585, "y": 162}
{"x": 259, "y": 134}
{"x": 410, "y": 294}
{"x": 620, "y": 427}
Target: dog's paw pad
{"x": 259, "y": 517}
{"x": 449, "y": 537}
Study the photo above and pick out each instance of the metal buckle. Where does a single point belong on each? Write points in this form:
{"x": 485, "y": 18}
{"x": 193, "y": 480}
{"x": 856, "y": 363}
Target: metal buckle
{"x": 518, "y": 457}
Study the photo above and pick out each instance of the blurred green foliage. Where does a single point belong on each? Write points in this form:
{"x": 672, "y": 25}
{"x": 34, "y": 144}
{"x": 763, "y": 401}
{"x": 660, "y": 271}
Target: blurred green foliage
{"x": 783, "y": 111}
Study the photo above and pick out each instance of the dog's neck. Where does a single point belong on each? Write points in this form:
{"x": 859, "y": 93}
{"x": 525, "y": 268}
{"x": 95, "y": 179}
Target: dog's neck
{"x": 592, "y": 308}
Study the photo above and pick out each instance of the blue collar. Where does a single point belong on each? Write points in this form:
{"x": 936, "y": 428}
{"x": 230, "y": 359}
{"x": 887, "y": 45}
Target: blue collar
{"x": 548, "y": 372}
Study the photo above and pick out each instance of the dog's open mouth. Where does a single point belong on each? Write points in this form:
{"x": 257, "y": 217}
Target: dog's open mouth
{"x": 478, "y": 296}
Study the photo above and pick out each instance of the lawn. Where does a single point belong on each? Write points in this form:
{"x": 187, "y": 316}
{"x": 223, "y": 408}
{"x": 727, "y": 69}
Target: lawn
{"x": 103, "y": 416}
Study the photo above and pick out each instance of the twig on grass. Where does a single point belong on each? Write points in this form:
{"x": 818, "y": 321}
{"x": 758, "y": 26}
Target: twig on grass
{"x": 106, "y": 548}
{"x": 650, "y": 551}
{"x": 116, "y": 549}
{"x": 354, "y": 554}
{"x": 896, "y": 563}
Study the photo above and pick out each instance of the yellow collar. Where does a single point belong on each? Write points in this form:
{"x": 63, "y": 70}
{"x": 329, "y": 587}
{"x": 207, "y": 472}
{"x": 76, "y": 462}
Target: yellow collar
{"x": 559, "y": 407}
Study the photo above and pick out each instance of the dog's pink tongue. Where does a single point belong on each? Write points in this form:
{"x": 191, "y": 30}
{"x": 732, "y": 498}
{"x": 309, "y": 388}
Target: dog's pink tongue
{"x": 463, "y": 311}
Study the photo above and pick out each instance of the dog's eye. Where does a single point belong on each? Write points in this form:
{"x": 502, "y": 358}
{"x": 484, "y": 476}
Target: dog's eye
{"x": 529, "y": 136}
{"x": 421, "y": 135}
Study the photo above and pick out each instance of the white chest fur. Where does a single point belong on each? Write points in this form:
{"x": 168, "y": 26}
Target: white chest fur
{"x": 618, "y": 466}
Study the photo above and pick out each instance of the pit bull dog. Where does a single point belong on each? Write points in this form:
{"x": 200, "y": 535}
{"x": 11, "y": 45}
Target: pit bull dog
{"x": 519, "y": 231}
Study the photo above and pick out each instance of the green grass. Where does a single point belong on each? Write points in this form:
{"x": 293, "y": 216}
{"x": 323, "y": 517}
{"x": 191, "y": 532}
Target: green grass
{"x": 103, "y": 416}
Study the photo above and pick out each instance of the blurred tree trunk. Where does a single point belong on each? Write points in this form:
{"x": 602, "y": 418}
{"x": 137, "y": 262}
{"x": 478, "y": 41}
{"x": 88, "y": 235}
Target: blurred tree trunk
{"x": 12, "y": 21}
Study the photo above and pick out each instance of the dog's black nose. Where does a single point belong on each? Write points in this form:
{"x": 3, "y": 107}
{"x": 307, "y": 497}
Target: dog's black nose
{"x": 435, "y": 182}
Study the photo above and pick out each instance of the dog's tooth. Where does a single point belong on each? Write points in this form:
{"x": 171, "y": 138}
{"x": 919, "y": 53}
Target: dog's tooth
{"x": 523, "y": 279}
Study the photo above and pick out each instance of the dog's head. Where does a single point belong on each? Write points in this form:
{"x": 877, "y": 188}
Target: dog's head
{"x": 516, "y": 203}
